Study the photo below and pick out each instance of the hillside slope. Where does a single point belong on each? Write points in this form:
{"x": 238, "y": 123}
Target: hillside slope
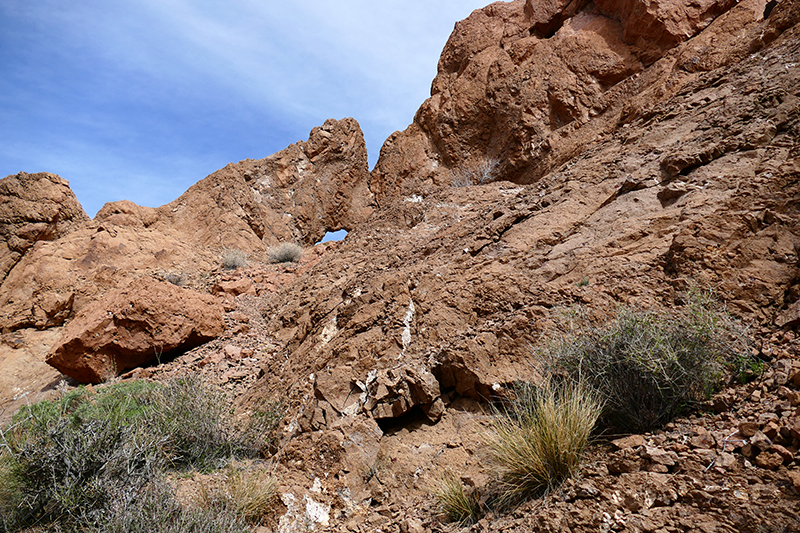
{"x": 607, "y": 153}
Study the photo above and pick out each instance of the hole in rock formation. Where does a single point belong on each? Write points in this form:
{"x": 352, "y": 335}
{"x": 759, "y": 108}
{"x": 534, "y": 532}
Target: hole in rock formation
{"x": 412, "y": 419}
{"x": 769, "y": 7}
{"x": 334, "y": 235}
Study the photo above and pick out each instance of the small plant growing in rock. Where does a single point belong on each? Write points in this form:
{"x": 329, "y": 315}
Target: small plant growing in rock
{"x": 456, "y": 503}
{"x": 175, "y": 278}
{"x": 538, "y": 439}
{"x": 233, "y": 258}
{"x": 285, "y": 253}
{"x": 483, "y": 172}
{"x": 248, "y": 493}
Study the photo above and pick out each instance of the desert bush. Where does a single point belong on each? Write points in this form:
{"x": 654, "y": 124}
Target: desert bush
{"x": 456, "y": 503}
{"x": 198, "y": 426}
{"x": 537, "y": 440}
{"x": 248, "y": 493}
{"x": 156, "y": 509}
{"x": 233, "y": 258}
{"x": 651, "y": 367}
{"x": 483, "y": 172}
{"x": 285, "y": 253}
{"x": 72, "y": 461}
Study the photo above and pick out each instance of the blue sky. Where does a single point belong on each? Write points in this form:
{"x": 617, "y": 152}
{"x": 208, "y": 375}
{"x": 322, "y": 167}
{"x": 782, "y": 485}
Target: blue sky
{"x": 140, "y": 99}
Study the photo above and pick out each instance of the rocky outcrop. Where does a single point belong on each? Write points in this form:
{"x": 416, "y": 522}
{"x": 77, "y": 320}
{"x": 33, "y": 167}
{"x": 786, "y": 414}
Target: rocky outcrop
{"x": 529, "y": 84}
{"x": 643, "y": 149}
{"x": 143, "y": 322}
{"x": 295, "y": 195}
{"x": 34, "y": 208}
{"x": 698, "y": 190}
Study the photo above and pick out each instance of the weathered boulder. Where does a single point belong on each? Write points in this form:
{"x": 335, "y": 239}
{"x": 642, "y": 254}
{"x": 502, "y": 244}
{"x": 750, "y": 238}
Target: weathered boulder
{"x": 143, "y": 322}
{"x": 33, "y": 208}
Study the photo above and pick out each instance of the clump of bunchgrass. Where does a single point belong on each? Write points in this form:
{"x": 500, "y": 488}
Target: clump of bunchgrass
{"x": 537, "y": 440}
{"x": 249, "y": 493}
{"x": 286, "y": 252}
{"x": 456, "y": 503}
{"x": 650, "y": 367}
{"x": 233, "y": 258}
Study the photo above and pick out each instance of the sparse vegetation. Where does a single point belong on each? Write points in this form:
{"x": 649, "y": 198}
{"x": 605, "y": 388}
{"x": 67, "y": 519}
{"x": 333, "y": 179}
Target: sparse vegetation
{"x": 83, "y": 461}
{"x": 248, "y": 493}
{"x": 233, "y": 258}
{"x": 175, "y": 278}
{"x": 156, "y": 509}
{"x": 286, "y": 252}
{"x": 457, "y": 504}
{"x": 538, "y": 439}
{"x": 483, "y": 172}
{"x": 651, "y": 367}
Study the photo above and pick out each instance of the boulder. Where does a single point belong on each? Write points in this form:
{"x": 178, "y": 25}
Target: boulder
{"x": 33, "y": 208}
{"x": 141, "y": 323}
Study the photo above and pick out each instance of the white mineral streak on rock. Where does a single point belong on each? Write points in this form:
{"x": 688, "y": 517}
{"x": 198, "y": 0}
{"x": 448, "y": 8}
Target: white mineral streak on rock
{"x": 407, "y": 320}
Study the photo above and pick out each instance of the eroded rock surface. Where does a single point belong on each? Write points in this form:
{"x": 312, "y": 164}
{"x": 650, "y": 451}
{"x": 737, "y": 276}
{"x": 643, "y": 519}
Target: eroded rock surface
{"x": 34, "y": 208}
{"x": 528, "y": 84}
{"x": 295, "y": 195}
{"x": 143, "y": 322}
{"x": 643, "y": 149}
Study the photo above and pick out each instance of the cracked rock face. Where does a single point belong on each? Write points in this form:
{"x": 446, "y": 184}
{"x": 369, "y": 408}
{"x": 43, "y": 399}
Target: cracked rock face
{"x": 295, "y": 195}
{"x": 527, "y": 84}
{"x": 34, "y": 208}
{"x": 643, "y": 149}
{"x": 129, "y": 327}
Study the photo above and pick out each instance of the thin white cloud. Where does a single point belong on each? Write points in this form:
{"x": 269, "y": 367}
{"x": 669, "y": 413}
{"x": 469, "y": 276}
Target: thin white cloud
{"x": 146, "y": 81}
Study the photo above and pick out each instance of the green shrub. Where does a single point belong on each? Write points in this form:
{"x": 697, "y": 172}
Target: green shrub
{"x": 538, "y": 440}
{"x": 651, "y": 367}
{"x": 233, "y": 258}
{"x": 456, "y": 503}
{"x": 71, "y": 462}
{"x": 285, "y": 253}
{"x": 199, "y": 429}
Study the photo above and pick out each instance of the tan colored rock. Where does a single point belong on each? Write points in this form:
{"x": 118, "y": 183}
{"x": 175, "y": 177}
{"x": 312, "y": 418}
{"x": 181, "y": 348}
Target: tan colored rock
{"x": 513, "y": 74}
{"x": 631, "y": 441}
{"x": 769, "y": 460}
{"x": 34, "y": 208}
{"x": 295, "y": 195}
{"x": 393, "y": 392}
{"x": 143, "y": 322}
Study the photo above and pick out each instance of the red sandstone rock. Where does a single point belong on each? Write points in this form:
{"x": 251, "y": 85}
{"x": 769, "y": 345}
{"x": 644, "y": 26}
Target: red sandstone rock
{"x": 295, "y": 195}
{"x": 143, "y": 322}
{"x": 34, "y": 208}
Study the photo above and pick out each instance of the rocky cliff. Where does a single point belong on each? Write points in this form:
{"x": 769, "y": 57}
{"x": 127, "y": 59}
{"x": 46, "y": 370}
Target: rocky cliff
{"x": 295, "y": 195}
{"x": 604, "y": 153}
